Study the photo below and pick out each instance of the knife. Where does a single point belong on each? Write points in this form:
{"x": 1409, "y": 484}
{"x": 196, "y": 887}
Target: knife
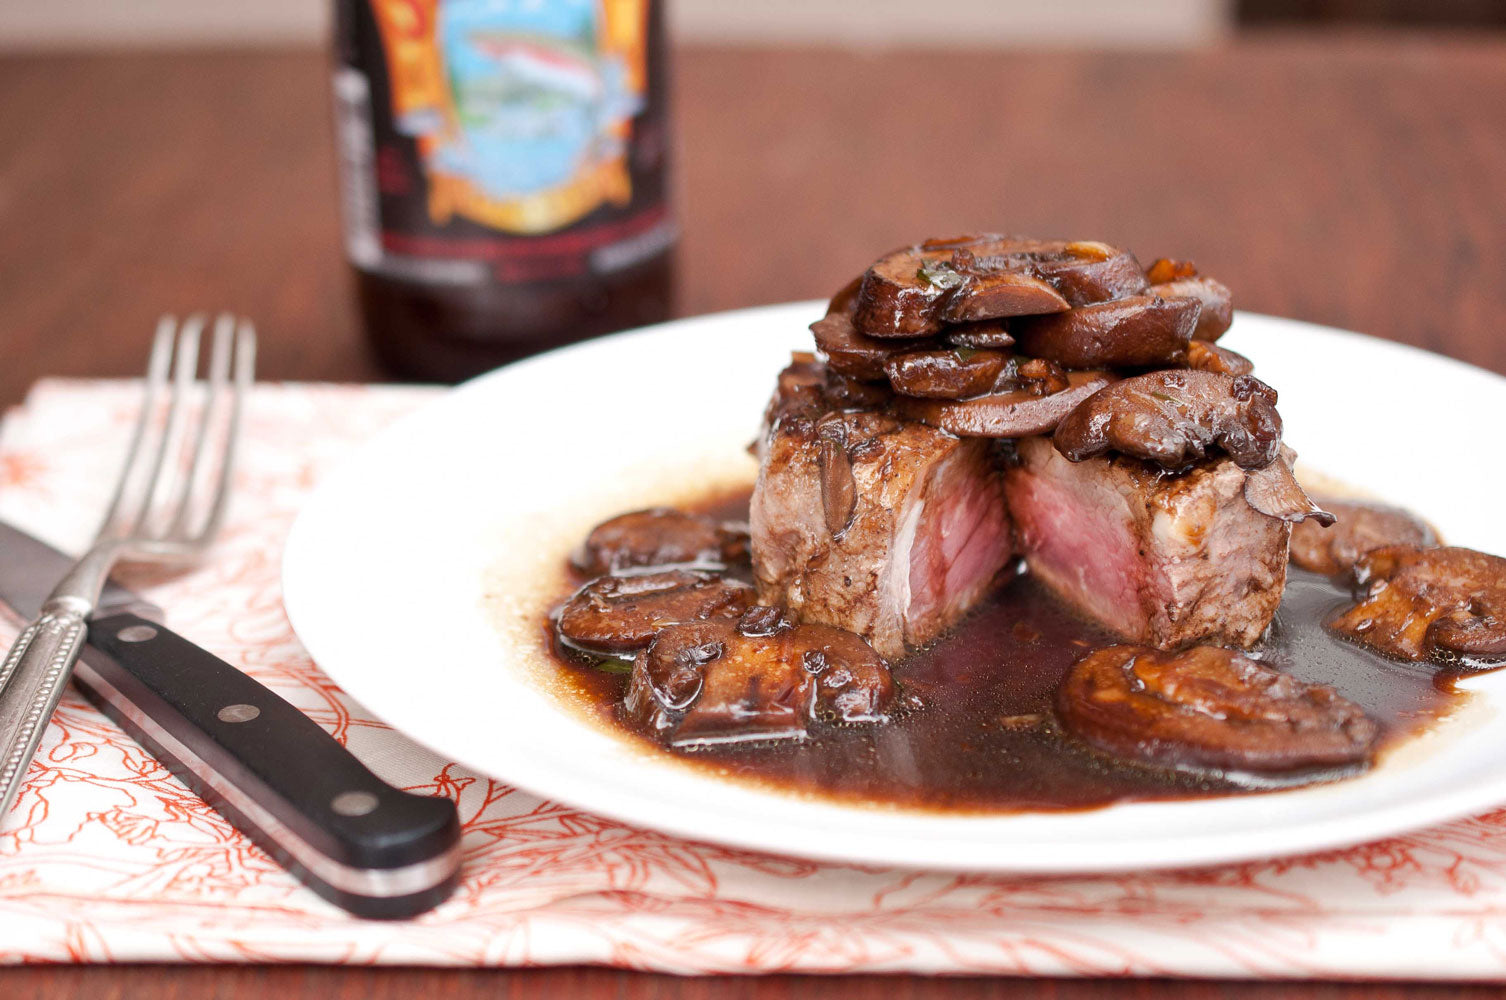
{"x": 276, "y": 775}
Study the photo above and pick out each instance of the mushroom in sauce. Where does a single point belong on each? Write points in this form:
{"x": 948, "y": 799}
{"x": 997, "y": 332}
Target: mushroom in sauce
{"x": 659, "y": 536}
{"x": 757, "y": 679}
{"x": 1209, "y": 708}
{"x": 1442, "y": 604}
{"x": 1360, "y": 528}
{"x": 619, "y": 615}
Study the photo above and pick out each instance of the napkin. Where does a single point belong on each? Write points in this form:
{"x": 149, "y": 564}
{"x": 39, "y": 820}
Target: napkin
{"x": 106, "y": 857}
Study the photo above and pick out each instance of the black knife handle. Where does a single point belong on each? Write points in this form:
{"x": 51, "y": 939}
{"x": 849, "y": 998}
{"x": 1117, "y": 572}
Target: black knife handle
{"x": 364, "y": 845}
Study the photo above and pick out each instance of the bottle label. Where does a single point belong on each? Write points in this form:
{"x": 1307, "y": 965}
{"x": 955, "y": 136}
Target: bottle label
{"x": 520, "y": 117}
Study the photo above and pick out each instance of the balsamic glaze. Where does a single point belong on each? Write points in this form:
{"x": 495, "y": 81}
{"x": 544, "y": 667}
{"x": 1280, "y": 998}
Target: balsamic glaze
{"x": 984, "y": 739}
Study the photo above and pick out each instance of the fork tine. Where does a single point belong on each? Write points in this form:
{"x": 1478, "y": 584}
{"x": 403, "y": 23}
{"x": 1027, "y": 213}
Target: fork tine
{"x": 245, "y": 370}
{"x": 219, "y": 375}
{"x": 156, "y": 378}
{"x": 185, "y": 370}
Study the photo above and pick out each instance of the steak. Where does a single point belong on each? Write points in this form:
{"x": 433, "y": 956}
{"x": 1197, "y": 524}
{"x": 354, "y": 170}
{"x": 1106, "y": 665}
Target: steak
{"x": 861, "y": 519}
{"x": 1162, "y": 560}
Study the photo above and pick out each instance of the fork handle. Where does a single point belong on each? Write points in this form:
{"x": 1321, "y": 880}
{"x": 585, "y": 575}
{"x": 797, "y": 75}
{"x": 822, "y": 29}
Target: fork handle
{"x": 32, "y": 679}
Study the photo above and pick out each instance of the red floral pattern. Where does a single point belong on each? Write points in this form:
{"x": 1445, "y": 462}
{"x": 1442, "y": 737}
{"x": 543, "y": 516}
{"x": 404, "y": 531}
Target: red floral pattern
{"x": 108, "y": 858}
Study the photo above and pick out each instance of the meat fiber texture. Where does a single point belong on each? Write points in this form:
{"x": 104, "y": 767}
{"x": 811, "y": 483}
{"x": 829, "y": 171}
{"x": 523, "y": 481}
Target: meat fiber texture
{"x": 921, "y": 530}
{"x": 1164, "y": 560}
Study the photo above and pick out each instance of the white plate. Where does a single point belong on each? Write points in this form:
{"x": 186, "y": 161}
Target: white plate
{"x": 420, "y": 572}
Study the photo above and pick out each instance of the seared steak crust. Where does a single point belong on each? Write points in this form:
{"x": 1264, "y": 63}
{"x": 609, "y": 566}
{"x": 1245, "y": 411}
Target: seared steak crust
{"x": 886, "y": 527}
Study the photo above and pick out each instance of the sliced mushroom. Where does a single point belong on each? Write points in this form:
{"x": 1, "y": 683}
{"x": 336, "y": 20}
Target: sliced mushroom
{"x": 1218, "y": 304}
{"x": 901, "y": 294}
{"x": 1275, "y": 492}
{"x": 986, "y": 333}
{"x": 1086, "y": 272}
{"x": 914, "y": 291}
{"x": 1083, "y": 271}
{"x": 760, "y": 678}
{"x": 1174, "y": 418}
{"x": 1015, "y": 413}
{"x": 991, "y": 294}
{"x": 1135, "y": 332}
{"x": 1208, "y": 357}
{"x": 618, "y": 615}
{"x": 1360, "y": 528}
{"x": 853, "y": 684}
{"x": 954, "y": 374}
{"x": 846, "y": 299}
{"x": 849, "y": 352}
{"x": 1042, "y": 377}
{"x": 659, "y": 537}
{"x": 1208, "y": 708}
{"x": 839, "y": 490}
{"x": 964, "y": 242}
{"x": 1442, "y": 604}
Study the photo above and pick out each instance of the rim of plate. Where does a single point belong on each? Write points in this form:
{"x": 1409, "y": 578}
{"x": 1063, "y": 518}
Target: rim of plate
{"x": 689, "y": 803}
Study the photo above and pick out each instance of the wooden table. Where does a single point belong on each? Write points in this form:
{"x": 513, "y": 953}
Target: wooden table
{"x": 1352, "y": 180}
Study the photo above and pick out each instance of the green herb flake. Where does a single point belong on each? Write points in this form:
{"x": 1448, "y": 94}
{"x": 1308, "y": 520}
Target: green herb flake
{"x": 938, "y": 275}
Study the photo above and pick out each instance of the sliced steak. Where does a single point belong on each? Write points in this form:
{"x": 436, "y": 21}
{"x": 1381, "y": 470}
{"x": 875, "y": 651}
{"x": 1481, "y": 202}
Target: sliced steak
{"x": 886, "y": 527}
{"x": 1162, "y": 560}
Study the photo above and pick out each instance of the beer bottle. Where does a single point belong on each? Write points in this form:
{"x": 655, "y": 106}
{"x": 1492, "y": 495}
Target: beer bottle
{"x": 503, "y": 174}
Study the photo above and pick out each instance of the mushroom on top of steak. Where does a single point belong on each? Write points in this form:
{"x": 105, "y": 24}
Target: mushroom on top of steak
{"x": 1332, "y": 550}
{"x": 991, "y": 333}
{"x": 1207, "y": 357}
{"x": 1083, "y": 305}
{"x": 1442, "y": 604}
{"x": 1139, "y": 331}
{"x": 660, "y": 536}
{"x": 1034, "y": 404}
{"x": 1274, "y": 491}
{"x": 858, "y": 355}
{"x": 916, "y": 290}
{"x": 957, "y": 373}
{"x": 758, "y": 678}
{"x": 1208, "y": 708}
{"x": 1179, "y": 278}
{"x": 1174, "y": 418}
{"x": 618, "y": 615}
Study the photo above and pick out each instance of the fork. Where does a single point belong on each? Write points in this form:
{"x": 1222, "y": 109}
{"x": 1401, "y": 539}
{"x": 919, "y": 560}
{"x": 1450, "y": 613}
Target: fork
{"x": 167, "y": 507}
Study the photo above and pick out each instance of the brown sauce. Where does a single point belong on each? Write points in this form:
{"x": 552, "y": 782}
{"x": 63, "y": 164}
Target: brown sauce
{"x": 983, "y": 737}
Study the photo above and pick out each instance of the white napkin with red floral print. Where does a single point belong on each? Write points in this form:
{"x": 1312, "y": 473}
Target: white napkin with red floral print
{"x": 108, "y": 858}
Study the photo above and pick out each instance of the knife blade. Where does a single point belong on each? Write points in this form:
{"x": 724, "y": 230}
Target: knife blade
{"x": 276, "y": 775}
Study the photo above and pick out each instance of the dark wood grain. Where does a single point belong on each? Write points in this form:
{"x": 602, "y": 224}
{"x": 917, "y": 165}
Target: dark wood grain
{"x": 317, "y": 983}
{"x": 1353, "y": 180}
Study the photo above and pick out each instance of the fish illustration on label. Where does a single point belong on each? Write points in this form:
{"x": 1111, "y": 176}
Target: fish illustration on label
{"x": 522, "y": 110}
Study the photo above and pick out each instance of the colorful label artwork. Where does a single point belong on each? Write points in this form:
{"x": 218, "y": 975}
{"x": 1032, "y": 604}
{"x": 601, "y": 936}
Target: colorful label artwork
{"x": 522, "y": 109}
